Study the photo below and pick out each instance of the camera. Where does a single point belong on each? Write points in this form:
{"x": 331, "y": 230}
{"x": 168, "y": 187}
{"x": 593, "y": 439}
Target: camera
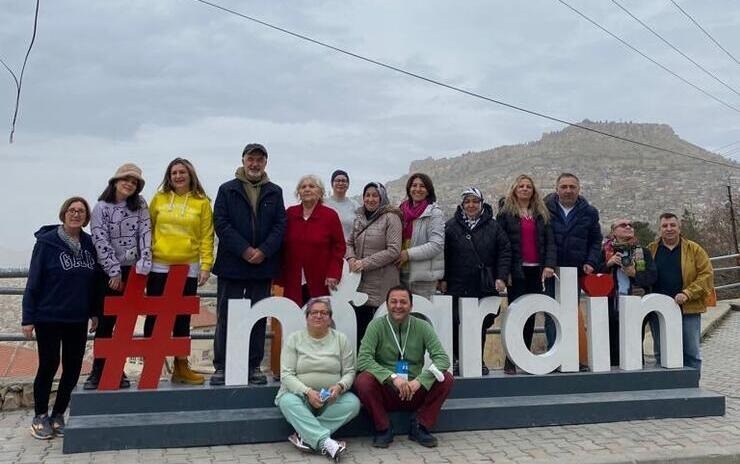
{"x": 626, "y": 251}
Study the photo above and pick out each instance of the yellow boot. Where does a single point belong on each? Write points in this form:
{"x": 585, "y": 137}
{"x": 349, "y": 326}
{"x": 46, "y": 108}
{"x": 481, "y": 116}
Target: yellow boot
{"x": 183, "y": 374}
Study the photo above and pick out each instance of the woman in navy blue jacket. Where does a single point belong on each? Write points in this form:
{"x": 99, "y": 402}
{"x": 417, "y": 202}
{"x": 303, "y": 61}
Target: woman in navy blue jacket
{"x": 57, "y": 304}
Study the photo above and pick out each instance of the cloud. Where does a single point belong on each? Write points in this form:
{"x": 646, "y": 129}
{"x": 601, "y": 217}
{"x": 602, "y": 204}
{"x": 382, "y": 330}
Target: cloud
{"x": 143, "y": 81}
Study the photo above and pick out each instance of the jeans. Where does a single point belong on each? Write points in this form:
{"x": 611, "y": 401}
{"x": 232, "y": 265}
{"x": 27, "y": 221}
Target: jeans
{"x": 691, "y": 328}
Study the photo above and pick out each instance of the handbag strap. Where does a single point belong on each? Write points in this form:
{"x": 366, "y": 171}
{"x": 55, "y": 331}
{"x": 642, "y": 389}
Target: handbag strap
{"x": 472, "y": 245}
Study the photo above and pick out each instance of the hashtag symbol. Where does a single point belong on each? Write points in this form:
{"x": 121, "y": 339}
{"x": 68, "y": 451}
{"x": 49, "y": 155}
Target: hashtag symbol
{"x": 161, "y": 344}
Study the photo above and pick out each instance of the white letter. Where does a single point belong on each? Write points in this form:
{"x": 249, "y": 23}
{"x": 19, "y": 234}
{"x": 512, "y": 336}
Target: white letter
{"x": 472, "y": 313}
{"x": 564, "y": 353}
{"x": 632, "y": 312}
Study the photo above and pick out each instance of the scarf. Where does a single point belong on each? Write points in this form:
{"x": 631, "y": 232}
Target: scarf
{"x": 471, "y": 222}
{"x": 74, "y": 245}
{"x": 251, "y": 188}
{"x": 410, "y": 214}
{"x": 383, "y": 200}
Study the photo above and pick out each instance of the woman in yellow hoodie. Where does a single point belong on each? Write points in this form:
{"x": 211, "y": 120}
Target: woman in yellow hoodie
{"x": 182, "y": 233}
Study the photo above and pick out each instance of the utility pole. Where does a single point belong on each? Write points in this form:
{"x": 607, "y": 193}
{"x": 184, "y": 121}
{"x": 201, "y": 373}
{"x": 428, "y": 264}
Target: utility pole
{"x": 732, "y": 218}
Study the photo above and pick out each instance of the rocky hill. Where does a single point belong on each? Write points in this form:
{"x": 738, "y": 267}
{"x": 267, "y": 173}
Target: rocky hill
{"x": 619, "y": 178}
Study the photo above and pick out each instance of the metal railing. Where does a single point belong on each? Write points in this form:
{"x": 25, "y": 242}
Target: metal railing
{"x": 20, "y": 273}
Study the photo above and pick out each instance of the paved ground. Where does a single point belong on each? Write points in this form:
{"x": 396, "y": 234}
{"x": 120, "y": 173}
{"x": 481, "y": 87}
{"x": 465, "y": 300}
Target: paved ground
{"x": 713, "y": 439}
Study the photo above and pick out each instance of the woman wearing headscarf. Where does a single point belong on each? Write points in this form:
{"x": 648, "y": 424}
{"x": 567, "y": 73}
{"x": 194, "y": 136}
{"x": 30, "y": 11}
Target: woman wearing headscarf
{"x": 477, "y": 259}
{"x": 422, "y": 253}
{"x": 57, "y": 304}
{"x": 314, "y": 245}
{"x": 122, "y": 232}
{"x": 526, "y": 221}
{"x": 182, "y": 224}
{"x": 345, "y": 206}
{"x": 372, "y": 248}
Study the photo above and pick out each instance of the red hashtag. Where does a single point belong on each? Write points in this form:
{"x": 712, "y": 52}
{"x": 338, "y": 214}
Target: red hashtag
{"x": 161, "y": 344}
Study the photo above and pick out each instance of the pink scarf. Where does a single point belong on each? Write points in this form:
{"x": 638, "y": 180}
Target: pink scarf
{"x": 410, "y": 214}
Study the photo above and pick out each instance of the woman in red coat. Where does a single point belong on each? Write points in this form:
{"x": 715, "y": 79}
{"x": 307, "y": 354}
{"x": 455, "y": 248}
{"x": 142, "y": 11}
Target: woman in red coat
{"x": 314, "y": 246}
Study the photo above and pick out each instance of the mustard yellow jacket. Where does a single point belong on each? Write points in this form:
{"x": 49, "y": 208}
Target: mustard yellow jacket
{"x": 182, "y": 228}
{"x": 697, "y": 275}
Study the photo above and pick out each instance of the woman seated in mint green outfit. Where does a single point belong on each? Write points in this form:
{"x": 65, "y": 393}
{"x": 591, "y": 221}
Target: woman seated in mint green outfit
{"x": 317, "y": 371}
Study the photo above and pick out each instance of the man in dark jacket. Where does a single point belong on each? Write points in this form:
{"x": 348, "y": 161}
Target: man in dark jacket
{"x": 249, "y": 218}
{"x": 633, "y": 273}
{"x": 575, "y": 224}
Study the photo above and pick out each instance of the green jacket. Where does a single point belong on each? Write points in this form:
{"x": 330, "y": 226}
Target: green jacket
{"x": 696, "y": 273}
{"x": 379, "y": 353}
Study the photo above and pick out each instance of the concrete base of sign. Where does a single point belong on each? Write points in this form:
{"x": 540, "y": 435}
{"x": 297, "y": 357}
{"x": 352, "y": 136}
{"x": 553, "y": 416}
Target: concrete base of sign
{"x": 174, "y": 416}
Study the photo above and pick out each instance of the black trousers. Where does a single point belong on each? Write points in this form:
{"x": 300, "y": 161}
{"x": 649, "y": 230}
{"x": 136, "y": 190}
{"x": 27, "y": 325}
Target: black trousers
{"x": 530, "y": 284}
{"x": 51, "y": 337}
{"x": 487, "y": 323}
{"x": 230, "y": 289}
{"x": 364, "y": 315}
{"x": 155, "y": 287}
{"x": 105, "y": 323}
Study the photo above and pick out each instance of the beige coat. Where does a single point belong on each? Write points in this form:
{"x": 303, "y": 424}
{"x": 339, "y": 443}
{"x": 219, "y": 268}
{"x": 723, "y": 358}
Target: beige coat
{"x": 378, "y": 246}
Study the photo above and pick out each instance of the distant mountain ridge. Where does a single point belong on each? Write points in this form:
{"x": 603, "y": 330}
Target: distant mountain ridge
{"x": 619, "y": 178}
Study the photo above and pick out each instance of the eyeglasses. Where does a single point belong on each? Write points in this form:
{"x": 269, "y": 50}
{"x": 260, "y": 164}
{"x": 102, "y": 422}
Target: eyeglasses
{"x": 76, "y": 212}
{"x": 319, "y": 313}
{"x": 624, "y": 225}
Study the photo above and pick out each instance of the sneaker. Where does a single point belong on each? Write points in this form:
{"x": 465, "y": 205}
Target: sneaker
{"x": 421, "y": 435}
{"x": 298, "y": 442}
{"x": 333, "y": 449}
{"x": 57, "y": 424}
{"x": 41, "y": 428}
{"x": 256, "y": 377}
{"x": 383, "y": 438}
{"x": 218, "y": 377}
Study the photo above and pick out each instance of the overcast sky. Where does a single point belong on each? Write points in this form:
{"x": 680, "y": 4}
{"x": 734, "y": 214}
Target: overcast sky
{"x": 136, "y": 80}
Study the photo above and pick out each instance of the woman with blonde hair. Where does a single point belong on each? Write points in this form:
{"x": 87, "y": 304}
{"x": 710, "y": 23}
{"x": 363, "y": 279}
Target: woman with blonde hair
{"x": 526, "y": 221}
{"x": 313, "y": 247}
{"x": 182, "y": 233}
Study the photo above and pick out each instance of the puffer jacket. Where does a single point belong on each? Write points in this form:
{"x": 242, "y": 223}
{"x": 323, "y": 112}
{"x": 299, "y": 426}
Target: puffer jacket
{"x": 377, "y": 245}
{"x": 578, "y": 237}
{"x": 545, "y": 242}
{"x": 696, "y": 273}
{"x": 462, "y": 266}
{"x": 426, "y": 253}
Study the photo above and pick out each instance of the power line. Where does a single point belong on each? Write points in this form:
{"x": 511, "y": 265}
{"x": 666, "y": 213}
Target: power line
{"x": 705, "y": 32}
{"x": 663, "y": 67}
{"x": 725, "y": 146}
{"x": 454, "y": 88}
{"x": 713, "y": 76}
{"x": 19, "y": 79}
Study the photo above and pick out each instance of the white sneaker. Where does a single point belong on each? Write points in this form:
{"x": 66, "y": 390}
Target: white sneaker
{"x": 297, "y": 441}
{"x": 333, "y": 448}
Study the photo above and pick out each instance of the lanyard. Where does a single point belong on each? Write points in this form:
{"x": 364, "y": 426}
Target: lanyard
{"x": 395, "y": 339}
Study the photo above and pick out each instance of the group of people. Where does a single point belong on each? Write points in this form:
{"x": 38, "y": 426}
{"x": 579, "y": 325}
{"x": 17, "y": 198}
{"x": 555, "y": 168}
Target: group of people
{"x": 399, "y": 250}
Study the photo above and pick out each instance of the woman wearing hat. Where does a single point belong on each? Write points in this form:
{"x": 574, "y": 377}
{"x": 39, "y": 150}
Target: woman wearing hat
{"x": 122, "y": 233}
{"x": 345, "y": 207}
{"x": 182, "y": 233}
{"x": 372, "y": 248}
{"x": 474, "y": 244}
{"x": 526, "y": 221}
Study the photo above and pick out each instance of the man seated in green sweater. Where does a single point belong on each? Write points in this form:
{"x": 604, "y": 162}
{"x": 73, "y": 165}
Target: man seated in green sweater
{"x": 391, "y": 359}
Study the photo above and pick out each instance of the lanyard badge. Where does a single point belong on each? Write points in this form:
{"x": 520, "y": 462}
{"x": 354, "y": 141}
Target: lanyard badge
{"x": 402, "y": 365}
